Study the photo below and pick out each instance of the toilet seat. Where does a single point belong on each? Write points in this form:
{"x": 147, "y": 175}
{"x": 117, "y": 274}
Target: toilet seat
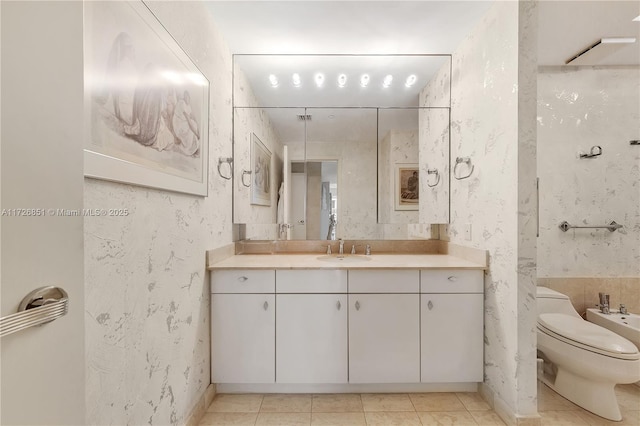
{"x": 585, "y": 335}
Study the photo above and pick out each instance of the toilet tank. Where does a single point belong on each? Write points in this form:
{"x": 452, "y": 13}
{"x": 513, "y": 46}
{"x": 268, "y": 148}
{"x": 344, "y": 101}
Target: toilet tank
{"x": 551, "y": 301}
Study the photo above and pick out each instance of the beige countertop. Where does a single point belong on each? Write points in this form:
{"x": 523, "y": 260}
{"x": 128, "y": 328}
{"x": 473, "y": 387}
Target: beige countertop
{"x": 319, "y": 261}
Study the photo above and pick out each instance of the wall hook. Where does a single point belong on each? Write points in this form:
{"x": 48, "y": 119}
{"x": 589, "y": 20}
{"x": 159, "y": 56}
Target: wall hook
{"x": 433, "y": 172}
{"x": 634, "y": 142}
{"x": 595, "y": 151}
{"x": 229, "y": 161}
{"x": 460, "y": 160}
{"x": 246, "y": 172}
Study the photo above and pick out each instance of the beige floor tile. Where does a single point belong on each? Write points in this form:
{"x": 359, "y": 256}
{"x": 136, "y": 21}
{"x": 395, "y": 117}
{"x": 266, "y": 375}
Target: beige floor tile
{"x": 436, "y": 401}
{"x": 629, "y": 418}
{"x": 487, "y": 418}
{"x": 338, "y": 419}
{"x": 473, "y": 401}
{"x": 396, "y": 418}
{"x": 549, "y": 400}
{"x": 286, "y": 403}
{"x": 229, "y": 419}
{"x": 231, "y": 403}
{"x": 284, "y": 419}
{"x": 628, "y": 397}
{"x": 562, "y": 418}
{"x": 336, "y": 403}
{"x": 452, "y": 418}
{"x": 386, "y": 402}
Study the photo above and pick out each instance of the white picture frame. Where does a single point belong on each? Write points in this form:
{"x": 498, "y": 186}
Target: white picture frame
{"x": 146, "y": 102}
{"x": 407, "y": 190}
{"x": 260, "y": 173}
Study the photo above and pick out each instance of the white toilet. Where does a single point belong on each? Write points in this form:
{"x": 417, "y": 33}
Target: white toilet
{"x": 588, "y": 360}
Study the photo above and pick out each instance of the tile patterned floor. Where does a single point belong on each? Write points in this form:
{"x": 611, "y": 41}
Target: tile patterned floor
{"x": 399, "y": 409}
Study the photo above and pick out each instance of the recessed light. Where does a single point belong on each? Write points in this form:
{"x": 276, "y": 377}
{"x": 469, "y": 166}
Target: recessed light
{"x": 273, "y": 80}
{"x": 364, "y": 80}
{"x": 637, "y": 18}
{"x": 319, "y": 79}
{"x": 342, "y": 80}
{"x": 295, "y": 78}
{"x": 618, "y": 40}
{"x": 411, "y": 80}
{"x": 387, "y": 81}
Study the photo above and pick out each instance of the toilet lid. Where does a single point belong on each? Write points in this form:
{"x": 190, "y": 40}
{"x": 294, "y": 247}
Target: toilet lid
{"x": 586, "y": 333}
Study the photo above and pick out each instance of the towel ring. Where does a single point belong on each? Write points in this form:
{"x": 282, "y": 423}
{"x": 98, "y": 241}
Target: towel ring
{"x": 594, "y": 152}
{"x": 229, "y": 161}
{"x": 460, "y": 160}
{"x": 433, "y": 172}
{"x": 246, "y": 172}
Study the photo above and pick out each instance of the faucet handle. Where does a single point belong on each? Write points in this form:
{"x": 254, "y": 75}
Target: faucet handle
{"x": 623, "y": 309}
{"x": 328, "y": 248}
{"x": 353, "y": 249}
{"x": 367, "y": 250}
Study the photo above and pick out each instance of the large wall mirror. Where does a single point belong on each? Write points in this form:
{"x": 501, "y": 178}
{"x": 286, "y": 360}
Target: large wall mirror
{"x": 339, "y": 146}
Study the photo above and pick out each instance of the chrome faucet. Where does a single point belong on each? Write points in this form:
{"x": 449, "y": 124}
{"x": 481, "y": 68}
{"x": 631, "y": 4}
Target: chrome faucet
{"x": 341, "y": 241}
{"x": 367, "y": 250}
{"x": 353, "y": 249}
{"x": 604, "y": 303}
{"x": 328, "y": 248}
{"x": 623, "y": 310}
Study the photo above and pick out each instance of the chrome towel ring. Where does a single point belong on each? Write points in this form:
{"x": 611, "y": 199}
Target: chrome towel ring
{"x": 433, "y": 172}
{"x": 229, "y": 161}
{"x": 460, "y": 160}
{"x": 246, "y": 172}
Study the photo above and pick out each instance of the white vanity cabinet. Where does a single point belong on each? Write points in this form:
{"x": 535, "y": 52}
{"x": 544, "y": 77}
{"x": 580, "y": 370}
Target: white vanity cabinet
{"x": 243, "y": 326}
{"x": 384, "y": 320}
{"x": 311, "y": 326}
{"x": 451, "y": 325}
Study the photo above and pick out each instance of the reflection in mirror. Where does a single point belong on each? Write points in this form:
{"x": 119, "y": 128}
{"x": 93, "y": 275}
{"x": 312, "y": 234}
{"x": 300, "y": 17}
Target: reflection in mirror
{"x": 346, "y": 136}
{"x": 398, "y": 189}
{"x": 312, "y": 110}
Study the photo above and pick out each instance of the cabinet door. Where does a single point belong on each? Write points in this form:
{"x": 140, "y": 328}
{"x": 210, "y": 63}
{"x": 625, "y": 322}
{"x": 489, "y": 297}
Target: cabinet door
{"x": 384, "y": 338}
{"x": 311, "y": 338}
{"x": 242, "y": 338}
{"x": 452, "y": 338}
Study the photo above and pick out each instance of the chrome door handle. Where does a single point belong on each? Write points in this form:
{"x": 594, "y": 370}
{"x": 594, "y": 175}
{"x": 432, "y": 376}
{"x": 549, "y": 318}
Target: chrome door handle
{"x": 453, "y": 278}
{"x": 430, "y": 305}
{"x": 41, "y": 306}
{"x": 242, "y": 279}
{"x": 357, "y": 306}
{"x": 266, "y": 305}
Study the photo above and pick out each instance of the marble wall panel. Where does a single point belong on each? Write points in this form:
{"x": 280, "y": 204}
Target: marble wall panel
{"x": 578, "y": 108}
{"x": 147, "y": 289}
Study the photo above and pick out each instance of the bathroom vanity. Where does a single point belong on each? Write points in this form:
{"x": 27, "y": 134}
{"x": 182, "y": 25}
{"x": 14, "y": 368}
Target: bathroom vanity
{"x": 304, "y": 322}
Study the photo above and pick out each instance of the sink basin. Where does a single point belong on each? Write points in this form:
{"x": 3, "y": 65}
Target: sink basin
{"x": 354, "y": 258}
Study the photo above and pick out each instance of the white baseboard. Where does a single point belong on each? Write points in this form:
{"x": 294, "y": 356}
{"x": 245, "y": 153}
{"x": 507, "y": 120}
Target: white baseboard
{"x": 345, "y": 387}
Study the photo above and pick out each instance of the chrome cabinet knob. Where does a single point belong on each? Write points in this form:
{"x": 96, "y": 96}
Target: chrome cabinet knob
{"x": 430, "y": 305}
{"x": 242, "y": 279}
{"x": 266, "y": 305}
{"x": 338, "y": 305}
{"x": 357, "y": 306}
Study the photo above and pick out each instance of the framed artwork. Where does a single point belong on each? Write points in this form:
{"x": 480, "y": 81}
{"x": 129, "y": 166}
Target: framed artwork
{"x": 260, "y": 173}
{"x": 146, "y": 103}
{"x": 407, "y": 193}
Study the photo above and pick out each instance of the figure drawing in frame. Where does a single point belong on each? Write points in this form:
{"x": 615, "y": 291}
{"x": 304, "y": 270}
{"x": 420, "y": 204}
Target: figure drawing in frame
{"x": 261, "y": 172}
{"x": 148, "y": 102}
{"x": 407, "y": 187}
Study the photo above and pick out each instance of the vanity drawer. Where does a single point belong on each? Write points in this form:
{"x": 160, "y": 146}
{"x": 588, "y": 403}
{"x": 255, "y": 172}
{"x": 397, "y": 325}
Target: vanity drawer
{"x": 243, "y": 281}
{"x": 451, "y": 281}
{"x": 384, "y": 281}
{"x": 311, "y": 281}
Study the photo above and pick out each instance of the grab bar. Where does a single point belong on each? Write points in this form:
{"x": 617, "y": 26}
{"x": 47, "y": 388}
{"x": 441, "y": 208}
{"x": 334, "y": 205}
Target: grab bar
{"x": 41, "y": 306}
{"x": 565, "y": 226}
